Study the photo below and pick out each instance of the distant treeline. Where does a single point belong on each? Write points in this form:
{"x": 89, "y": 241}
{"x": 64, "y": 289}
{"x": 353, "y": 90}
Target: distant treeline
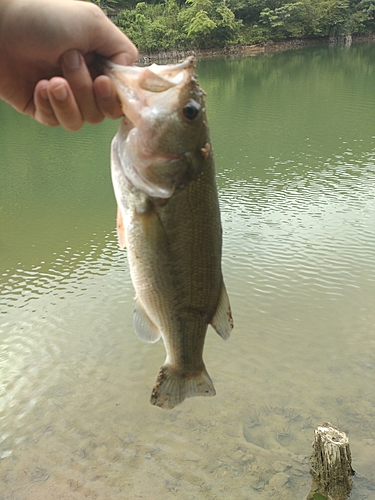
{"x": 158, "y": 25}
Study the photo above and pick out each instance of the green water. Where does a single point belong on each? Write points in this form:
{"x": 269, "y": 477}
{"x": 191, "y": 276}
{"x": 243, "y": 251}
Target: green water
{"x": 294, "y": 141}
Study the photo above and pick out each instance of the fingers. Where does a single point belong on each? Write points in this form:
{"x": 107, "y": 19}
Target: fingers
{"x": 55, "y": 104}
{"x": 75, "y": 98}
{"x": 43, "y": 111}
{"x": 78, "y": 76}
{"x": 106, "y": 97}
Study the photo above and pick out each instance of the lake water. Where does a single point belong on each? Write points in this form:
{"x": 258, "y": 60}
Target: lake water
{"x": 294, "y": 140}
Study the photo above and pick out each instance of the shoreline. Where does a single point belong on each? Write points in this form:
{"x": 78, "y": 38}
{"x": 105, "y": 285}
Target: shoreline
{"x": 173, "y": 55}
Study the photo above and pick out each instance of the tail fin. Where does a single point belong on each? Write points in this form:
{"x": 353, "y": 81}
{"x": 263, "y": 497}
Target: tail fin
{"x": 171, "y": 389}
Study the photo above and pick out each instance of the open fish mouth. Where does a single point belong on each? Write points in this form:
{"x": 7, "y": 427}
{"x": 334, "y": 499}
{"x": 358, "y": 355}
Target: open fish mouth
{"x": 165, "y": 75}
{"x": 139, "y": 86}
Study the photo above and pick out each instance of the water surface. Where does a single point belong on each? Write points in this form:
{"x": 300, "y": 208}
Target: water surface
{"x": 294, "y": 141}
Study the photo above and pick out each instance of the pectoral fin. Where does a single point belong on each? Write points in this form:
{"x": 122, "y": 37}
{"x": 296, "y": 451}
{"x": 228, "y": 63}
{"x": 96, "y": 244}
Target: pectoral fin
{"x": 222, "y": 320}
{"x": 143, "y": 326}
{"x": 121, "y": 235}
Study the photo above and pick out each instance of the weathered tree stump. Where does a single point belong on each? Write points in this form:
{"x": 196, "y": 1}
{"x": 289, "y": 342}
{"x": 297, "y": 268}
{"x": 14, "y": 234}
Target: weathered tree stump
{"x": 331, "y": 463}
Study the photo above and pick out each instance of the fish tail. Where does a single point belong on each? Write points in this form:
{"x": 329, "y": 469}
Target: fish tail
{"x": 171, "y": 389}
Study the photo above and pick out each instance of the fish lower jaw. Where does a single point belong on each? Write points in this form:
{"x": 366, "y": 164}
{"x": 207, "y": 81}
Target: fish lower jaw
{"x": 173, "y": 387}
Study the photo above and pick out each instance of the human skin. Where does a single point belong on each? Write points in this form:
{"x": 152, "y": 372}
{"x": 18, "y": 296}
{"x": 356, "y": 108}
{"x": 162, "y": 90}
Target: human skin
{"x": 47, "y": 55}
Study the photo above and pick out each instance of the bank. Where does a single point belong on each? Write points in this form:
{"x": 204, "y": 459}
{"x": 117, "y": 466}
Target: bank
{"x": 242, "y": 50}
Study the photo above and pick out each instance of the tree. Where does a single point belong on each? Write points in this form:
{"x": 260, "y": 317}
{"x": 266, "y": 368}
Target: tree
{"x": 153, "y": 27}
{"x": 210, "y": 23}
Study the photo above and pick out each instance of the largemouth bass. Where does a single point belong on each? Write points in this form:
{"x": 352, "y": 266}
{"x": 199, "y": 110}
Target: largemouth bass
{"x": 169, "y": 220}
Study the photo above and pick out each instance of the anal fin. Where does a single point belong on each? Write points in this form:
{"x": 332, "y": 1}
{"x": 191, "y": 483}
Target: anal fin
{"x": 145, "y": 329}
{"x": 222, "y": 320}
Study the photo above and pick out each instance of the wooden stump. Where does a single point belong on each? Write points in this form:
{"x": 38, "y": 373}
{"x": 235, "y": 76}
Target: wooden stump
{"x": 331, "y": 463}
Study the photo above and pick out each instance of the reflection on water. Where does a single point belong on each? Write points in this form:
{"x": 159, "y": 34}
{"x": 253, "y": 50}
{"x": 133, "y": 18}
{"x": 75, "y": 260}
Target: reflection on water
{"x": 294, "y": 138}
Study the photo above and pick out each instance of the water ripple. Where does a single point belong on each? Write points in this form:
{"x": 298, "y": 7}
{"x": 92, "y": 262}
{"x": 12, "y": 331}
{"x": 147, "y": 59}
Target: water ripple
{"x": 65, "y": 275}
{"x": 306, "y": 228}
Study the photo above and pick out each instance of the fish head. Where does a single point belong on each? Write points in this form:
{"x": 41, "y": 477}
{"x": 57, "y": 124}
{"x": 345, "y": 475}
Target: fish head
{"x": 166, "y": 126}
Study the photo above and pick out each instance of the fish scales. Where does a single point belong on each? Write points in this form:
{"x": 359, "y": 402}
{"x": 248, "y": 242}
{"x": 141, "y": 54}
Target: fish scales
{"x": 168, "y": 217}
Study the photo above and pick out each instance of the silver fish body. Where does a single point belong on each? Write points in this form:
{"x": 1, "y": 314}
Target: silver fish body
{"x": 169, "y": 220}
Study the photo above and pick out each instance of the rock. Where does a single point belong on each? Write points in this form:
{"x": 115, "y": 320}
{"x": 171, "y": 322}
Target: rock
{"x": 278, "y": 481}
{"x": 279, "y": 466}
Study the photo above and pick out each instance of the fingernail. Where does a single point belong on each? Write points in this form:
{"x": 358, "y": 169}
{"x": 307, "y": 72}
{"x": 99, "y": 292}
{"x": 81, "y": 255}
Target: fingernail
{"x": 72, "y": 59}
{"x": 60, "y": 93}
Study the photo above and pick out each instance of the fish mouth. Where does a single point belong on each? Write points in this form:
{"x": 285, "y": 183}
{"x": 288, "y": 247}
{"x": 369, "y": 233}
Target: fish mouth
{"x": 168, "y": 75}
{"x": 155, "y": 78}
{"x": 138, "y": 87}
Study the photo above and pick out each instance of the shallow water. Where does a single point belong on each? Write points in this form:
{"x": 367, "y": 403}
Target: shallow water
{"x": 294, "y": 139}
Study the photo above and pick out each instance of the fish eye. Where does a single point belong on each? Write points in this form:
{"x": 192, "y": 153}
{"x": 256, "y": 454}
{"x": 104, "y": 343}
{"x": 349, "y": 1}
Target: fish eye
{"x": 191, "y": 110}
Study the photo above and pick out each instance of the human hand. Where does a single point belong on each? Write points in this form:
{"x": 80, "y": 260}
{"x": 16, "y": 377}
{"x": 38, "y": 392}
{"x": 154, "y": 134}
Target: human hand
{"x": 47, "y": 60}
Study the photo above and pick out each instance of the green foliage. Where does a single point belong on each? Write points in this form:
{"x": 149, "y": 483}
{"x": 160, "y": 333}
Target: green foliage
{"x": 318, "y": 496}
{"x": 210, "y": 23}
{"x": 106, "y": 5}
{"x": 153, "y": 27}
{"x": 288, "y": 21}
{"x": 166, "y": 24}
{"x": 199, "y": 23}
{"x": 306, "y": 18}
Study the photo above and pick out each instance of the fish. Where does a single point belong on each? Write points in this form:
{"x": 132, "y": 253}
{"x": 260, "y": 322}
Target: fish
{"x": 168, "y": 218}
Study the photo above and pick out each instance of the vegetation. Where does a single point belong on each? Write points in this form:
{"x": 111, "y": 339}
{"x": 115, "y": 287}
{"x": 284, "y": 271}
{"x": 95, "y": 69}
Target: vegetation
{"x": 156, "y": 25}
{"x": 107, "y": 6}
